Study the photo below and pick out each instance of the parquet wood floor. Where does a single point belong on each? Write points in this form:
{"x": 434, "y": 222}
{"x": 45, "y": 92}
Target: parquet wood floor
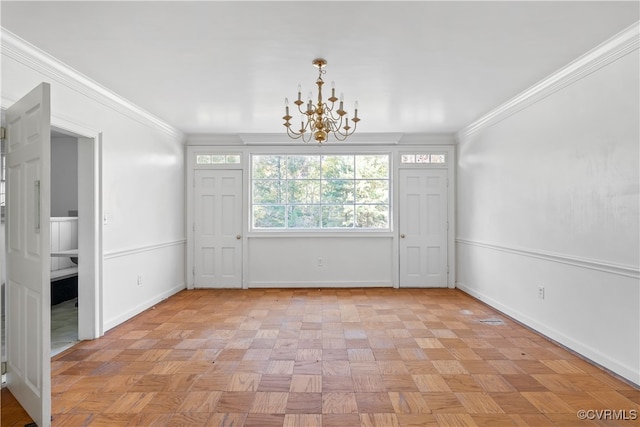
{"x": 331, "y": 357}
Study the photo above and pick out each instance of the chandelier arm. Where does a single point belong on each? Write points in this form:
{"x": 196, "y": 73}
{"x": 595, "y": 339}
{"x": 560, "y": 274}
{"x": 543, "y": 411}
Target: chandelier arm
{"x": 344, "y": 134}
{"x": 329, "y": 113}
{"x": 322, "y": 119}
{"x": 293, "y": 134}
{"x": 299, "y": 135}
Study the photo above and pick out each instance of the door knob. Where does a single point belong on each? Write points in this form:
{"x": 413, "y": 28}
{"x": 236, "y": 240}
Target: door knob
{"x": 238, "y": 237}
{"x": 402, "y": 236}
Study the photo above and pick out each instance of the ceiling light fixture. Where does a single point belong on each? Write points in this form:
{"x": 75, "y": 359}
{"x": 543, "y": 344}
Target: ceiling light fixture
{"x": 321, "y": 120}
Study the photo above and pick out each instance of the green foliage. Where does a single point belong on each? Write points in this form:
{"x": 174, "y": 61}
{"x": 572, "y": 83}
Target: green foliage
{"x": 304, "y": 216}
{"x": 329, "y": 191}
{"x": 268, "y": 216}
{"x": 303, "y": 167}
{"x": 268, "y": 167}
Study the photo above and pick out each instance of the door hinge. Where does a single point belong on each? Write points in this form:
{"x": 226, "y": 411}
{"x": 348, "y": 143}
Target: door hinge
{"x": 3, "y": 132}
{"x": 4, "y": 368}
{"x": 193, "y": 271}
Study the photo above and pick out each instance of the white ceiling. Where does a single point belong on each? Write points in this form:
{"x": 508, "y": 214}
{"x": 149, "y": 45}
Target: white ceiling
{"x": 226, "y": 67}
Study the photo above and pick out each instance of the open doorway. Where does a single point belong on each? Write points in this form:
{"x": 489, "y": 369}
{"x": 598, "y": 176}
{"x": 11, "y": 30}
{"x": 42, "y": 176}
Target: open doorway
{"x": 64, "y": 242}
{"x": 75, "y": 210}
{"x": 75, "y": 205}
{"x": 26, "y": 258}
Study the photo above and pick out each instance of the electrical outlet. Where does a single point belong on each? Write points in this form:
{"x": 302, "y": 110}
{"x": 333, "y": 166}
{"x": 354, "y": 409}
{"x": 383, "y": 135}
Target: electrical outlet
{"x": 541, "y": 292}
{"x": 139, "y": 280}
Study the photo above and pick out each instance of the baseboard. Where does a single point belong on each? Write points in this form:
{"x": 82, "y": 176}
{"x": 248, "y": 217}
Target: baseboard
{"x": 594, "y": 356}
{"x": 293, "y": 285}
{"x": 112, "y": 323}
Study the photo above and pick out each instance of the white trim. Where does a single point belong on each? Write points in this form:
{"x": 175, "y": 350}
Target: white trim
{"x": 611, "y": 50}
{"x": 592, "y": 264}
{"x": 331, "y": 284}
{"x": 355, "y": 139}
{"x": 592, "y": 354}
{"x": 142, "y": 249}
{"x": 281, "y": 139}
{"x": 331, "y": 233}
{"x": 29, "y": 55}
{"x": 213, "y": 139}
{"x": 123, "y": 317}
{"x": 427, "y": 139}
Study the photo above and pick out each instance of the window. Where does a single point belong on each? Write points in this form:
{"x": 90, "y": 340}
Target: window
{"x": 217, "y": 159}
{"x": 423, "y": 158}
{"x": 320, "y": 192}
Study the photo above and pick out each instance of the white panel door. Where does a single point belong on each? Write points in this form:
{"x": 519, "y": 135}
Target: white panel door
{"x": 423, "y": 228}
{"x": 28, "y": 253}
{"x": 218, "y": 228}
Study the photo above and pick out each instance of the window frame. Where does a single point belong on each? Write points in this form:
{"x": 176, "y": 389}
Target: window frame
{"x": 421, "y": 164}
{"x": 323, "y": 231}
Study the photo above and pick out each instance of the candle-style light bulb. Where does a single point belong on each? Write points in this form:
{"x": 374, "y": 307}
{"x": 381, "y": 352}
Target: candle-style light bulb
{"x": 355, "y": 114}
{"x": 333, "y": 89}
{"x": 299, "y": 92}
{"x": 286, "y": 106}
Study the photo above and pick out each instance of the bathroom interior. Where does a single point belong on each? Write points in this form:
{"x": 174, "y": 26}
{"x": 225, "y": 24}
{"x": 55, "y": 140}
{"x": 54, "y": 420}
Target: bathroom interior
{"x": 64, "y": 242}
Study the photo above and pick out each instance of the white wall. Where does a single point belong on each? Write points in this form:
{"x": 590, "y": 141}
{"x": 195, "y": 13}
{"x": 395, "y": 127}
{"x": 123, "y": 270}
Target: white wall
{"x": 64, "y": 175}
{"x": 549, "y": 196}
{"x": 142, "y": 179}
{"x": 345, "y": 261}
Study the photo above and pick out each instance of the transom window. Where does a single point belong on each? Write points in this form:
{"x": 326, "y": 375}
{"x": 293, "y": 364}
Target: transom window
{"x": 217, "y": 159}
{"x": 320, "y": 191}
{"x": 423, "y": 158}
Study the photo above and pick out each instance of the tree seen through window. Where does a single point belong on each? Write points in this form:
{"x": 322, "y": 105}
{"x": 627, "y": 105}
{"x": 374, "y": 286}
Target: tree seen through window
{"x": 320, "y": 191}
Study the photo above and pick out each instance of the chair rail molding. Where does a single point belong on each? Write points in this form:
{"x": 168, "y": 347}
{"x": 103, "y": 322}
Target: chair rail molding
{"x": 593, "y": 264}
{"x": 132, "y": 251}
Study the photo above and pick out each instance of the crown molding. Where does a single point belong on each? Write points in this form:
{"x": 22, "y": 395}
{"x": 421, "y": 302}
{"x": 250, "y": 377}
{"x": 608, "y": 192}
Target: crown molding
{"x": 427, "y": 139}
{"x": 29, "y": 55}
{"x": 213, "y": 139}
{"x": 355, "y": 139}
{"x": 604, "y": 54}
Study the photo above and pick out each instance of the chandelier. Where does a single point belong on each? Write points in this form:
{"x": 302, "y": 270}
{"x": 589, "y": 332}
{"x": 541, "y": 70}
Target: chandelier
{"x": 321, "y": 120}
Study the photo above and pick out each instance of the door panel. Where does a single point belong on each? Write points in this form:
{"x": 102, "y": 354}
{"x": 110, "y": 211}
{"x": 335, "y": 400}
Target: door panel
{"x": 217, "y": 229}
{"x": 423, "y": 228}
{"x": 28, "y": 253}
